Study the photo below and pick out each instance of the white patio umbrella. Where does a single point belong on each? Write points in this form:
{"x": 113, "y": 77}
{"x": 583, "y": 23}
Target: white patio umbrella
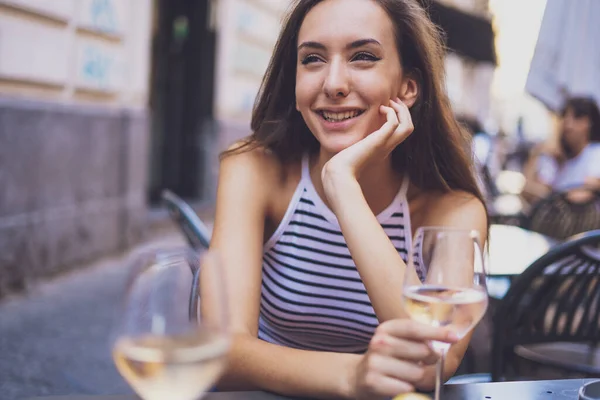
{"x": 566, "y": 61}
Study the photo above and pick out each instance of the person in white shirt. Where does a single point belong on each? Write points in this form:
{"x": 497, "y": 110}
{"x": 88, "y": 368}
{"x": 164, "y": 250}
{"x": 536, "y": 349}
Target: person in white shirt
{"x": 576, "y": 167}
{"x": 572, "y": 173}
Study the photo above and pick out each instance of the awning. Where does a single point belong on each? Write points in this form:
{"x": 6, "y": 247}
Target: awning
{"x": 566, "y": 61}
{"x": 467, "y": 35}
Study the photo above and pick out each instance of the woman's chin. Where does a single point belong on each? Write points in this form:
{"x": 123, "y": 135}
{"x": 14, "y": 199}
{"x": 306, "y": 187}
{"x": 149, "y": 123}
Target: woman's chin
{"x": 335, "y": 145}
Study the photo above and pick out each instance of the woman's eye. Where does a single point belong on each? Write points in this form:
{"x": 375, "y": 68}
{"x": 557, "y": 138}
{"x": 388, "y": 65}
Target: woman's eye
{"x": 365, "y": 57}
{"x": 310, "y": 59}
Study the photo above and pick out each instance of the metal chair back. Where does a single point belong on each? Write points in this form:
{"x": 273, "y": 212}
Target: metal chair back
{"x": 197, "y": 235}
{"x": 195, "y": 231}
{"x": 555, "y": 300}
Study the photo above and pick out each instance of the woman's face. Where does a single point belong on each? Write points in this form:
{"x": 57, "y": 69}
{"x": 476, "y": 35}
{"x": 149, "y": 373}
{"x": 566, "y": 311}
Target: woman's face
{"x": 348, "y": 65}
{"x": 575, "y": 133}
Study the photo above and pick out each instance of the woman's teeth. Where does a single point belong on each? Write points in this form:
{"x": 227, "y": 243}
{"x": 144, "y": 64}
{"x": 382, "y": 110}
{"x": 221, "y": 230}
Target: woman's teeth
{"x": 337, "y": 117}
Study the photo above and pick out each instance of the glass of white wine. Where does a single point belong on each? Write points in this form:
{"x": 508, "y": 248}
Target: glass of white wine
{"x": 172, "y": 339}
{"x": 445, "y": 283}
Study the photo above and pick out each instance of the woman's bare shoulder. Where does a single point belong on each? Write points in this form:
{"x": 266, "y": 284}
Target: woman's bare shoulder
{"x": 454, "y": 208}
{"x": 241, "y": 155}
{"x": 455, "y": 199}
{"x": 255, "y": 182}
{"x": 258, "y": 165}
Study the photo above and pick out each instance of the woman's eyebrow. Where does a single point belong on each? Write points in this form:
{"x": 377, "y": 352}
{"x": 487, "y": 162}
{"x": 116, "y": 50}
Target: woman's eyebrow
{"x": 353, "y": 45}
{"x": 312, "y": 45}
{"x": 362, "y": 42}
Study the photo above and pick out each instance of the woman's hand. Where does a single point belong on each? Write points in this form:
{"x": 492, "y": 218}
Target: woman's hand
{"x": 398, "y": 355}
{"x": 592, "y": 183}
{"x": 376, "y": 146}
{"x": 580, "y": 195}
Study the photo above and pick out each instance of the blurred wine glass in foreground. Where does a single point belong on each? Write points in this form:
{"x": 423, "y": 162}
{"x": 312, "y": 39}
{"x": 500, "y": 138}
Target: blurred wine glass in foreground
{"x": 445, "y": 283}
{"x": 172, "y": 340}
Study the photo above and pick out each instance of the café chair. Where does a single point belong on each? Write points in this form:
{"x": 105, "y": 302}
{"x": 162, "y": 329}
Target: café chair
{"x": 196, "y": 233}
{"x": 550, "y": 315}
{"x": 558, "y": 217}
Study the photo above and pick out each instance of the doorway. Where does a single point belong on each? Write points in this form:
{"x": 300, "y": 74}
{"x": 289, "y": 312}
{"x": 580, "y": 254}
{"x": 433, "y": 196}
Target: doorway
{"x": 181, "y": 96}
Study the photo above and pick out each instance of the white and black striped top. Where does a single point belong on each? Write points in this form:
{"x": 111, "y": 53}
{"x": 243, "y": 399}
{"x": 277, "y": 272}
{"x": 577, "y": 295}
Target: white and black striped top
{"x": 312, "y": 295}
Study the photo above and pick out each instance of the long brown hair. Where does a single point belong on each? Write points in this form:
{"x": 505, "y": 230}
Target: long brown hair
{"x": 436, "y": 155}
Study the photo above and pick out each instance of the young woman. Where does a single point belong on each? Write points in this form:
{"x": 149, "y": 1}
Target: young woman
{"x": 354, "y": 146}
{"x": 572, "y": 168}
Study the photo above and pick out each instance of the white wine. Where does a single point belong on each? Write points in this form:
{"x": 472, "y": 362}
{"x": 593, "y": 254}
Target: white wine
{"x": 436, "y": 305}
{"x": 178, "y": 368}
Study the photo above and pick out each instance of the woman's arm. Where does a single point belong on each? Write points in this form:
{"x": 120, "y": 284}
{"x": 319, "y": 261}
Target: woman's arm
{"x": 258, "y": 365}
{"x": 246, "y": 183}
{"x": 381, "y": 267}
{"x": 592, "y": 183}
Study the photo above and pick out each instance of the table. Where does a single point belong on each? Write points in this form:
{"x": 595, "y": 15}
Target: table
{"x": 577, "y": 357}
{"x": 528, "y": 390}
{"x": 513, "y": 249}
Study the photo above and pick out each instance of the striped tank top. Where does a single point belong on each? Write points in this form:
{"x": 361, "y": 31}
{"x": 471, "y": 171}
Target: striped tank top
{"x": 312, "y": 296}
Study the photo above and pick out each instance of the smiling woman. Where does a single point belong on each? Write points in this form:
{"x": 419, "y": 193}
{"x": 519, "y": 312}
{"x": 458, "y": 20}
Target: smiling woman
{"x": 354, "y": 147}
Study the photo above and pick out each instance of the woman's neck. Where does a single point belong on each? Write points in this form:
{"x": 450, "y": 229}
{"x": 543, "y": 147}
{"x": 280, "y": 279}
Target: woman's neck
{"x": 379, "y": 182}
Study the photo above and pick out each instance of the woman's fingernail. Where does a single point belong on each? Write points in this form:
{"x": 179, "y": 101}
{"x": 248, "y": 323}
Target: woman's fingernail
{"x": 453, "y": 336}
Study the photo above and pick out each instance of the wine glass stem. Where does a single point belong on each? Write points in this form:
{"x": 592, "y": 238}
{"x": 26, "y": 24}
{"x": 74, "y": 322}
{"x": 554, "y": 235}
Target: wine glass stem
{"x": 439, "y": 374}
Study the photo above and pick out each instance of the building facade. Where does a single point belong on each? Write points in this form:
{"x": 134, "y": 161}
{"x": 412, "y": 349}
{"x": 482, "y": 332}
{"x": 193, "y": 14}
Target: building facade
{"x": 105, "y": 103}
{"x": 73, "y": 132}
{"x": 469, "y": 77}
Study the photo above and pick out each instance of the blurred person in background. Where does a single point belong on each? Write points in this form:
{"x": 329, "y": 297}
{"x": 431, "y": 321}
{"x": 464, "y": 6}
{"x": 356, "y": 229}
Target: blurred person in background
{"x": 573, "y": 167}
{"x": 354, "y": 147}
{"x": 482, "y": 147}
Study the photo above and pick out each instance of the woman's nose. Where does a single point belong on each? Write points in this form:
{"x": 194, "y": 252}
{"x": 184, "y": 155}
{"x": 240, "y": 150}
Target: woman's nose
{"x": 337, "y": 82}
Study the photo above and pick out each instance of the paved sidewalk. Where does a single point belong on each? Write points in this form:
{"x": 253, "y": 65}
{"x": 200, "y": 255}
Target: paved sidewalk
{"x": 54, "y": 340}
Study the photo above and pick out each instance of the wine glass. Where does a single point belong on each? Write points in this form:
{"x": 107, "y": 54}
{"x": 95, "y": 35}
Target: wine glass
{"x": 172, "y": 339}
{"x": 444, "y": 284}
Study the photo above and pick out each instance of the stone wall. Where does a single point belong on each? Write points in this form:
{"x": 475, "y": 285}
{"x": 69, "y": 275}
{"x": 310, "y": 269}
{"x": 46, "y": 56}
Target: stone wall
{"x": 73, "y": 181}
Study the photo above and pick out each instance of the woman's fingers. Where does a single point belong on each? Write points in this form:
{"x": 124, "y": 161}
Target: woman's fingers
{"x": 402, "y": 348}
{"x": 398, "y": 356}
{"x": 416, "y": 331}
{"x": 391, "y": 122}
{"x": 402, "y": 370}
{"x": 405, "y": 125}
{"x": 398, "y": 124}
{"x": 398, "y": 120}
{"x": 376, "y": 384}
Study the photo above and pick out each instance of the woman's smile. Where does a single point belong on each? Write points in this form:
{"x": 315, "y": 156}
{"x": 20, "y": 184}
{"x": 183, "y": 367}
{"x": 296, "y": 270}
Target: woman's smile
{"x": 339, "y": 119}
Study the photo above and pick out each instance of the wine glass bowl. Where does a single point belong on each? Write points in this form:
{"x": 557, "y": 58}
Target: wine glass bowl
{"x": 460, "y": 309}
{"x": 161, "y": 347}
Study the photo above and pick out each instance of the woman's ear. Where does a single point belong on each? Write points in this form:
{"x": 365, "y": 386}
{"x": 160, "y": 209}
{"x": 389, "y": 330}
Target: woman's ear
{"x": 409, "y": 90}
